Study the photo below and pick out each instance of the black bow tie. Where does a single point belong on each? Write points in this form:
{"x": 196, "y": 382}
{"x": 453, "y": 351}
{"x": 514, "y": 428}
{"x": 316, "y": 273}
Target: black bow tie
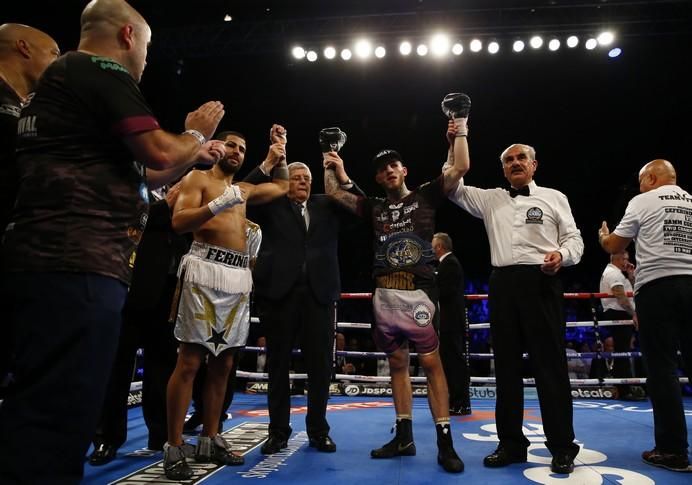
{"x": 522, "y": 191}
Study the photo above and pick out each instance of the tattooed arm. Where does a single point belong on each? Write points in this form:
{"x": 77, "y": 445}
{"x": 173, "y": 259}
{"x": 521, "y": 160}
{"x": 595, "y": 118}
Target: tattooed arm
{"x": 337, "y": 183}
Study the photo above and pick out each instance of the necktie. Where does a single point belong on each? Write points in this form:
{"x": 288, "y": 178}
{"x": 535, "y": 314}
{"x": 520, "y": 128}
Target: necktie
{"x": 304, "y": 212}
{"x": 522, "y": 191}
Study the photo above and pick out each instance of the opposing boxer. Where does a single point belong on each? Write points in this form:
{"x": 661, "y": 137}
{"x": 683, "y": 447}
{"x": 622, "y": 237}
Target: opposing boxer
{"x": 215, "y": 282}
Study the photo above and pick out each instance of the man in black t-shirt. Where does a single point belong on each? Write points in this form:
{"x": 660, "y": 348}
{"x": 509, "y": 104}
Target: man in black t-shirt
{"x": 405, "y": 299}
{"x": 25, "y": 52}
{"x": 80, "y": 211}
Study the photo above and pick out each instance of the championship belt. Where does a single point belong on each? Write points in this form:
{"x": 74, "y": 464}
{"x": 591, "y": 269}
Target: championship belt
{"x": 404, "y": 250}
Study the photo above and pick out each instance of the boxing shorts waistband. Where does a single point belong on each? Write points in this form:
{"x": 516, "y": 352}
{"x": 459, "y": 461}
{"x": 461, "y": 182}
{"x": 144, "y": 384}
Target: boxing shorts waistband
{"x": 220, "y": 255}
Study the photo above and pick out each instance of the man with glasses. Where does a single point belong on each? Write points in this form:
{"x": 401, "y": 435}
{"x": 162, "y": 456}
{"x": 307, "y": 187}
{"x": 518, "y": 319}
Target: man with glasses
{"x": 296, "y": 284}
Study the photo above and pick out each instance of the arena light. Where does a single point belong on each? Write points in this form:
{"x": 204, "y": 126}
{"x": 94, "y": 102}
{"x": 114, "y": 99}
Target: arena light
{"x": 518, "y": 46}
{"x": 311, "y": 56}
{"x": 493, "y": 47}
{"x": 605, "y": 38}
{"x": 457, "y": 49}
{"x": 346, "y": 54}
{"x": 380, "y": 52}
{"x": 554, "y": 44}
{"x": 591, "y": 44}
{"x": 615, "y": 52}
{"x": 298, "y": 52}
{"x": 227, "y": 18}
{"x": 476, "y": 45}
{"x": 405, "y": 48}
{"x": 363, "y": 48}
{"x": 422, "y": 50}
{"x": 572, "y": 41}
{"x": 329, "y": 52}
{"x": 439, "y": 45}
{"x": 536, "y": 42}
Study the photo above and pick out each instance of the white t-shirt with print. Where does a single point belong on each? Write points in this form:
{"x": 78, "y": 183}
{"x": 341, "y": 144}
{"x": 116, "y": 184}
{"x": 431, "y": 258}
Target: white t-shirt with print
{"x": 660, "y": 221}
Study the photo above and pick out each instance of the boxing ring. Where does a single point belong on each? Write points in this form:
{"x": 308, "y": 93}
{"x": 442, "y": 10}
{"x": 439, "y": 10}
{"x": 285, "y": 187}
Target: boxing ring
{"x": 594, "y": 323}
{"x": 611, "y": 433}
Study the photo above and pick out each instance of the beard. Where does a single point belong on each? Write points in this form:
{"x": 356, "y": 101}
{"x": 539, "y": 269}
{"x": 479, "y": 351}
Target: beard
{"x": 227, "y": 167}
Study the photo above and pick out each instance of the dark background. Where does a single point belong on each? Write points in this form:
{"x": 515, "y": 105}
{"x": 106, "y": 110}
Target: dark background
{"x": 594, "y": 121}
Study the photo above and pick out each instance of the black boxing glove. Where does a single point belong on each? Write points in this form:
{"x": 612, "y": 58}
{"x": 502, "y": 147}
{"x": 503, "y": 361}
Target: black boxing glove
{"x": 457, "y": 106}
{"x": 332, "y": 139}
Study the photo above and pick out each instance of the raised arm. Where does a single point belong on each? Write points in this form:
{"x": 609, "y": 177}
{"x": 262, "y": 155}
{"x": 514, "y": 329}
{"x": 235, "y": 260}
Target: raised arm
{"x": 611, "y": 243}
{"x": 336, "y": 182}
{"x": 210, "y": 153}
{"x": 262, "y": 193}
{"x": 160, "y": 150}
{"x": 458, "y": 159}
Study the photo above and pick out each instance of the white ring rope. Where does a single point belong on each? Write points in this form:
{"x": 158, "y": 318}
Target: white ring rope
{"x": 479, "y": 356}
{"x": 478, "y": 380}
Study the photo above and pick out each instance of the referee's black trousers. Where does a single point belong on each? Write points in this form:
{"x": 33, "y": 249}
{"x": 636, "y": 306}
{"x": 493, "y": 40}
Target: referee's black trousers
{"x": 526, "y": 313}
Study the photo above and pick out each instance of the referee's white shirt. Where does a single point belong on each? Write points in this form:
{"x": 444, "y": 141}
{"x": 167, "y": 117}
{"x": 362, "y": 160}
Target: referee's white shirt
{"x": 523, "y": 229}
{"x": 660, "y": 221}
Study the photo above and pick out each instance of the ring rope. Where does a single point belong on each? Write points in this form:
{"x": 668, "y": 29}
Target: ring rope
{"x": 476, "y": 326}
{"x": 479, "y": 356}
{"x": 484, "y": 296}
{"x": 478, "y": 380}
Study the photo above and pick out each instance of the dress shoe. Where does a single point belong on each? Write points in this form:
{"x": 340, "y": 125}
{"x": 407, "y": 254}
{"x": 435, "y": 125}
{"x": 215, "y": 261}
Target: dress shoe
{"x": 323, "y": 443}
{"x": 104, "y": 453}
{"x": 460, "y": 411}
{"x": 562, "y": 463}
{"x": 501, "y": 457}
{"x": 274, "y": 444}
{"x": 677, "y": 462}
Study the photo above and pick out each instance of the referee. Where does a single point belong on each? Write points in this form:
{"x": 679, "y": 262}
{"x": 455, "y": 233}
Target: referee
{"x": 660, "y": 220}
{"x": 532, "y": 234}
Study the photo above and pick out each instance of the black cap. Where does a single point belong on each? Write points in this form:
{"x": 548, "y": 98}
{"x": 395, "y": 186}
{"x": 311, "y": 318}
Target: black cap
{"x": 385, "y": 156}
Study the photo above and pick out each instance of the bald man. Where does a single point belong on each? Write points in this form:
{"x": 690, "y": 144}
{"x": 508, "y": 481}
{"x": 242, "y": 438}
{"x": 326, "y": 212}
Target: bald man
{"x": 88, "y": 149}
{"x": 25, "y": 52}
{"x": 660, "y": 221}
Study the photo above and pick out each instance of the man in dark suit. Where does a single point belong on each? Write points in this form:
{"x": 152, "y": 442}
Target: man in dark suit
{"x": 297, "y": 282}
{"x": 145, "y": 324}
{"x": 450, "y": 283}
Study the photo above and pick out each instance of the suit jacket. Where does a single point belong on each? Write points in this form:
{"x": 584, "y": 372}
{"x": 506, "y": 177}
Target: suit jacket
{"x": 450, "y": 284}
{"x": 287, "y": 247}
{"x": 157, "y": 258}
